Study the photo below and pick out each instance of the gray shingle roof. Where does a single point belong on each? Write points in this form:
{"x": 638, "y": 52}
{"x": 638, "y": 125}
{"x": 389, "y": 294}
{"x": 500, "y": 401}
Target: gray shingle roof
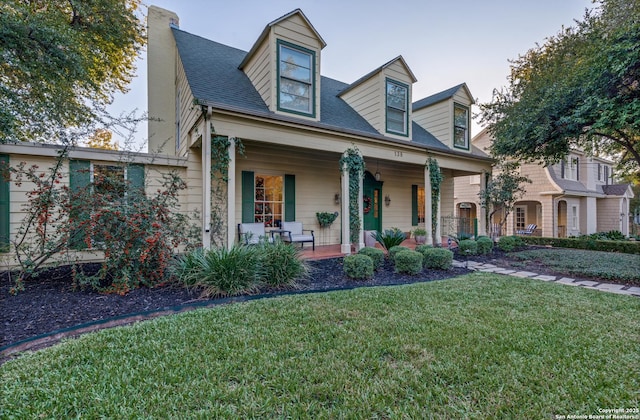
{"x": 213, "y": 75}
{"x": 615, "y": 189}
{"x": 437, "y": 97}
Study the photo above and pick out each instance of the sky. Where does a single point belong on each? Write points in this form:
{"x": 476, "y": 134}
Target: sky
{"x": 444, "y": 42}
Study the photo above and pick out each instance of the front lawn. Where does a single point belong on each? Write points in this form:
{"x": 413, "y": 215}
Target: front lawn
{"x": 479, "y": 346}
{"x": 580, "y": 262}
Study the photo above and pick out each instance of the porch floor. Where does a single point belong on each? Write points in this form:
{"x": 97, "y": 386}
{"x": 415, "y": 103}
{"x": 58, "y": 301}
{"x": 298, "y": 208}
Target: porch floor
{"x": 333, "y": 251}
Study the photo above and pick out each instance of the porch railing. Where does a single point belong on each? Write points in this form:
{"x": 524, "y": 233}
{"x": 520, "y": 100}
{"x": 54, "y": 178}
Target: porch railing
{"x": 458, "y": 226}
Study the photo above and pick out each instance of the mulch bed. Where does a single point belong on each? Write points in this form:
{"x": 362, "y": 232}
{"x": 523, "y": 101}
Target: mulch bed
{"x": 51, "y": 304}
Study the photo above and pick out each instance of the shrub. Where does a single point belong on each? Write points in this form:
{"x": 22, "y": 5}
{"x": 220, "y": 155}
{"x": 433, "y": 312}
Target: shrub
{"x": 390, "y": 238}
{"x": 438, "y": 258}
{"x": 377, "y": 255}
{"x": 421, "y": 248}
{"x": 358, "y": 266}
{"x": 222, "y": 271}
{"x": 281, "y": 264}
{"x": 409, "y": 262}
{"x": 485, "y": 245}
{"x": 510, "y": 243}
{"x": 627, "y": 247}
{"x": 467, "y": 247}
{"x": 393, "y": 251}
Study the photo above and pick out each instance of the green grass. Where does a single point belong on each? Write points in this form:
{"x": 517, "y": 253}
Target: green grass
{"x": 606, "y": 265}
{"x": 479, "y": 346}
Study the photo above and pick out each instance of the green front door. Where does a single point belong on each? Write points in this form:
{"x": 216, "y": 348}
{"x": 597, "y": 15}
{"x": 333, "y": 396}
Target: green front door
{"x": 372, "y": 202}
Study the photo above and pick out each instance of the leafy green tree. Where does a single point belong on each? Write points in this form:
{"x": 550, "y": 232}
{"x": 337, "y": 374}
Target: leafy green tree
{"x": 503, "y": 190}
{"x": 581, "y": 88}
{"x": 61, "y": 62}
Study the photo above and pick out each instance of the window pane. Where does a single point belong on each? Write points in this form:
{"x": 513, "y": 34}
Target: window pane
{"x": 268, "y": 205}
{"x": 460, "y": 137}
{"x": 460, "y": 117}
{"x": 295, "y": 95}
{"x": 395, "y": 120}
{"x": 109, "y": 180}
{"x": 290, "y": 56}
{"x": 396, "y": 96}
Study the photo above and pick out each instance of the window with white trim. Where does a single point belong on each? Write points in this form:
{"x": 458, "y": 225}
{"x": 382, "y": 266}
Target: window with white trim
{"x": 295, "y": 79}
{"x": 397, "y": 107}
{"x": 460, "y": 126}
{"x": 574, "y": 217}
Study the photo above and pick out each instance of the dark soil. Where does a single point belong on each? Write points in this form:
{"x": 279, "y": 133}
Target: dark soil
{"x": 50, "y": 304}
{"x": 50, "y": 308}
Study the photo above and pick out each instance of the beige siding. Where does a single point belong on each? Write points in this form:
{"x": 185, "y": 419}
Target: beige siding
{"x": 368, "y": 100}
{"x": 19, "y": 201}
{"x": 260, "y": 68}
{"x": 398, "y": 72}
{"x": 188, "y": 113}
{"x": 437, "y": 119}
{"x": 608, "y": 214}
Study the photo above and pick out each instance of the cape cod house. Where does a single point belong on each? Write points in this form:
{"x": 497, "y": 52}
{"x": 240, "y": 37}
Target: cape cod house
{"x": 294, "y": 126}
{"x": 284, "y": 128}
{"x": 575, "y": 197}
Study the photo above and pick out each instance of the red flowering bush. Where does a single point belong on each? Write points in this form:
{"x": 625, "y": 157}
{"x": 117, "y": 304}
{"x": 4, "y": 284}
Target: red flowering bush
{"x": 138, "y": 235}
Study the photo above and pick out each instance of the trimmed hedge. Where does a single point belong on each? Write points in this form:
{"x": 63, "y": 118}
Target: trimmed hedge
{"x": 485, "y": 245}
{"x": 395, "y": 249}
{"x": 510, "y": 243}
{"x": 358, "y": 266}
{"x": 626, "y": 247}
{"x": 437, "y": 258}
{"x": 421, "y": 248}
{"x": 409, "y": 262}
{"x": 377, "y": 255}
{"x": 468, "y": 247}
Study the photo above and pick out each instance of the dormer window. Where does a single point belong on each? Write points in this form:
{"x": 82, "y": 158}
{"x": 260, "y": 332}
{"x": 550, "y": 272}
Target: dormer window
{"x": 296, "y": 79}
{"x": 397, "y": 106}
{"x": 461, "y": 127}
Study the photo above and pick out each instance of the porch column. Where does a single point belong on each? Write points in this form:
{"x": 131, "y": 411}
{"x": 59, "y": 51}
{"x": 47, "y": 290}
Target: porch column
{"x": 439, "y": 220}
{"x": 206, "y": 181}
{"x": 231, "y": 194}
{"x": 428, "y": 225}
{"x": 361, "y": 211}
{"x": 345, "y": 246}
{"x": 482, "y": 211}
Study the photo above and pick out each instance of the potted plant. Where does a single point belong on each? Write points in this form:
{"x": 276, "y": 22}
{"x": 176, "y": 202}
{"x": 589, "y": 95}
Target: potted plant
{"x": 325, "y": 218}
{"x": 420, "y": 235}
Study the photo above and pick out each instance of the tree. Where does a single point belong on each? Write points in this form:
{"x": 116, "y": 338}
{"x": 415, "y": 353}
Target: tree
{"x": 503, "y": 191}
{"x": 61, "y": 62}
{"x": 101, "y": 139}
{"x": 580, "y": 89}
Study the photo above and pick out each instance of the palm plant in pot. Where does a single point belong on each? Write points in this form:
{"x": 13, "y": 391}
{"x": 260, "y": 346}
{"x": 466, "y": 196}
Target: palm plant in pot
{"x": 420, "y": 235}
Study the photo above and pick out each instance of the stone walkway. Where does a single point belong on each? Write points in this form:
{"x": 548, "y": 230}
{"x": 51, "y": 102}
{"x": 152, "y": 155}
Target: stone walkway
{"x": 589, "y": 284}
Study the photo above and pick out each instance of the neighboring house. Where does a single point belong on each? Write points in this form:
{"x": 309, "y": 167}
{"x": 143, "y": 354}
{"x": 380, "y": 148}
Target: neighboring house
{"x": 575, "y": 197}
{"x": 294, "y": 126}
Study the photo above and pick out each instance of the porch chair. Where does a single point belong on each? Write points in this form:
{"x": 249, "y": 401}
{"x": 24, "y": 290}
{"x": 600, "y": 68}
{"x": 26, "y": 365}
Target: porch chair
{"x": 252, "y": 233}
{"x": 293, "y": 232}
{"x": 528, "y": 230}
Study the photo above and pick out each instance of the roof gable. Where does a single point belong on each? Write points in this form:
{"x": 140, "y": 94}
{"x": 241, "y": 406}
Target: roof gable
{"x": 442, "y": 96}
{"x": 267, "y": 30}
{"x": 372, "y": 73}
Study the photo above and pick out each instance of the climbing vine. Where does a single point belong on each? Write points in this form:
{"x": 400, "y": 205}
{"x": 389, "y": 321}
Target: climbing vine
{"x": 354, "y": 163}
{"x": 436, "y": 178}
{"x": 220, "y": 177}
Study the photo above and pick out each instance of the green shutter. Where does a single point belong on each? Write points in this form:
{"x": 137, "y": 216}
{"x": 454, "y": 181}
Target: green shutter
{"x": 414, "y": 205}
{"x": 4, "y": 203}
{"x": 289, "y": 198}
{"x": 248, "y": 193}
{"x": 135, "y": 177}
{"x": 79, "y": 179}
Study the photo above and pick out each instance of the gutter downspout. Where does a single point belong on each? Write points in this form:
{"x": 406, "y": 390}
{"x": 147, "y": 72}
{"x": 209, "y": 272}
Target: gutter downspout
{"x": 206, "y": 179}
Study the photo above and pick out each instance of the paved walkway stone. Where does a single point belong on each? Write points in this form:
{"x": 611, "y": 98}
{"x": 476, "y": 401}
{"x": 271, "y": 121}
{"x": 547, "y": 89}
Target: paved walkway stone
{"x": 604, "y": 287}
